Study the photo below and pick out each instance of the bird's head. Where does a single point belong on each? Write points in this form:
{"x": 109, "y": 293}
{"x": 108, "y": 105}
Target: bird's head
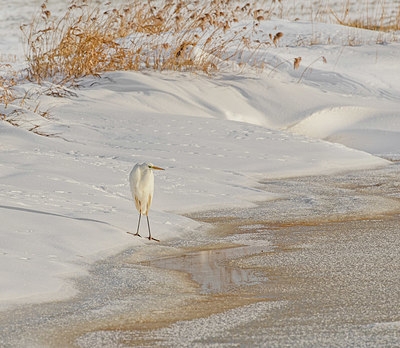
{"x": 152, "y": 166}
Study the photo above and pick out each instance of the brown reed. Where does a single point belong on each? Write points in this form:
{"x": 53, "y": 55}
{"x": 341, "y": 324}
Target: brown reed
{"x": 176, "y": 35}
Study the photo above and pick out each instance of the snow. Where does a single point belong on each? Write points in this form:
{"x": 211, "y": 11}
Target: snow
{"x": 65, "y": 199}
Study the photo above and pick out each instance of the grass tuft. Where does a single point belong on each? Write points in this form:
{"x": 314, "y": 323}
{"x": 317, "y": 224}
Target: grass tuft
{"x": 175, "y": 35}
{"x": 8, "y": 79}
{"x": 89, "y": 39}
{"x": 379, "y": 16}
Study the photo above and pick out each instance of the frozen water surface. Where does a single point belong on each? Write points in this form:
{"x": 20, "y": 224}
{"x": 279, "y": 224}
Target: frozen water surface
{"x": 328, "y": 280}
{"x": 209, "y": 269}
{"x": 352, "y": 195}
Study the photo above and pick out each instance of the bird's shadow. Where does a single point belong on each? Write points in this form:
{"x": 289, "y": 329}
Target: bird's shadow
{"x": 34, "y": 211}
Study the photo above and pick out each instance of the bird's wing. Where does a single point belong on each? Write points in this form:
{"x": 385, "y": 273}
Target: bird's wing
{"x": 134, "y": 178}
{"x": 137, "y": 203}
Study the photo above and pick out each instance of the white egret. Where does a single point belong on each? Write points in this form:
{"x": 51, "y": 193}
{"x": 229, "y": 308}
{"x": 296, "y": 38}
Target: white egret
{"x": 141, "y": 180}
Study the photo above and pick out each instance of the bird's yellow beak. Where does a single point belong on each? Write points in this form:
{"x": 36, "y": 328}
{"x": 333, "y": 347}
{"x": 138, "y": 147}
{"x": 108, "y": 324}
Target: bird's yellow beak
{"x": 158, "y": 168}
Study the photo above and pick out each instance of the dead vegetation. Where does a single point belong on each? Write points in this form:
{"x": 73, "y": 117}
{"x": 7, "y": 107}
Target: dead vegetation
{"x": 378, "y": 16}
{"x": 89, "y": 39}
{"x": 8, "y": 79}
{"x": 14, "y": 107}
{"x": 173, "y": 35}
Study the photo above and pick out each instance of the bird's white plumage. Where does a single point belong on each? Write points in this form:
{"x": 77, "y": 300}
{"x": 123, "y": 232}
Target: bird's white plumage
{"x": 141, "y": 180}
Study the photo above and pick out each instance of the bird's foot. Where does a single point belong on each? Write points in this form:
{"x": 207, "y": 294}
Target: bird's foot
{"x": 151, "y": 238}
{"x": 135, "y": 234}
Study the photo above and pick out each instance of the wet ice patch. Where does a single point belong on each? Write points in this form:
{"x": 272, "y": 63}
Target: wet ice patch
{"x": 188, "y": 333}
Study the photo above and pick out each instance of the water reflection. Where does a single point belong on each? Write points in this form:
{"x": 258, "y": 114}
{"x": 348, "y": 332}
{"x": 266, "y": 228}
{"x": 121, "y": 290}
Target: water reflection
{"x": 211, "y": 268}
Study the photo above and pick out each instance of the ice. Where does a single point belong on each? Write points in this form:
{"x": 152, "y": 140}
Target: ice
{"x": 194, "y": 333}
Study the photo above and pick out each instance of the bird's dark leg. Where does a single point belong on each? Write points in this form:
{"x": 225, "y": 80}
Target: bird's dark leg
{"x": 138, "y": 225}
{"x": 148, "y": 225}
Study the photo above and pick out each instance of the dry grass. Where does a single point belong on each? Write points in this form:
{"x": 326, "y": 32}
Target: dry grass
{"x": 182, "y": 36}
{"x": 378, "y": 16}
{"x": 8, "y": 79}
{"x": 297, "y": 63}
{"x": 13, "y": 107}
{"x": 175, "y": 35}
